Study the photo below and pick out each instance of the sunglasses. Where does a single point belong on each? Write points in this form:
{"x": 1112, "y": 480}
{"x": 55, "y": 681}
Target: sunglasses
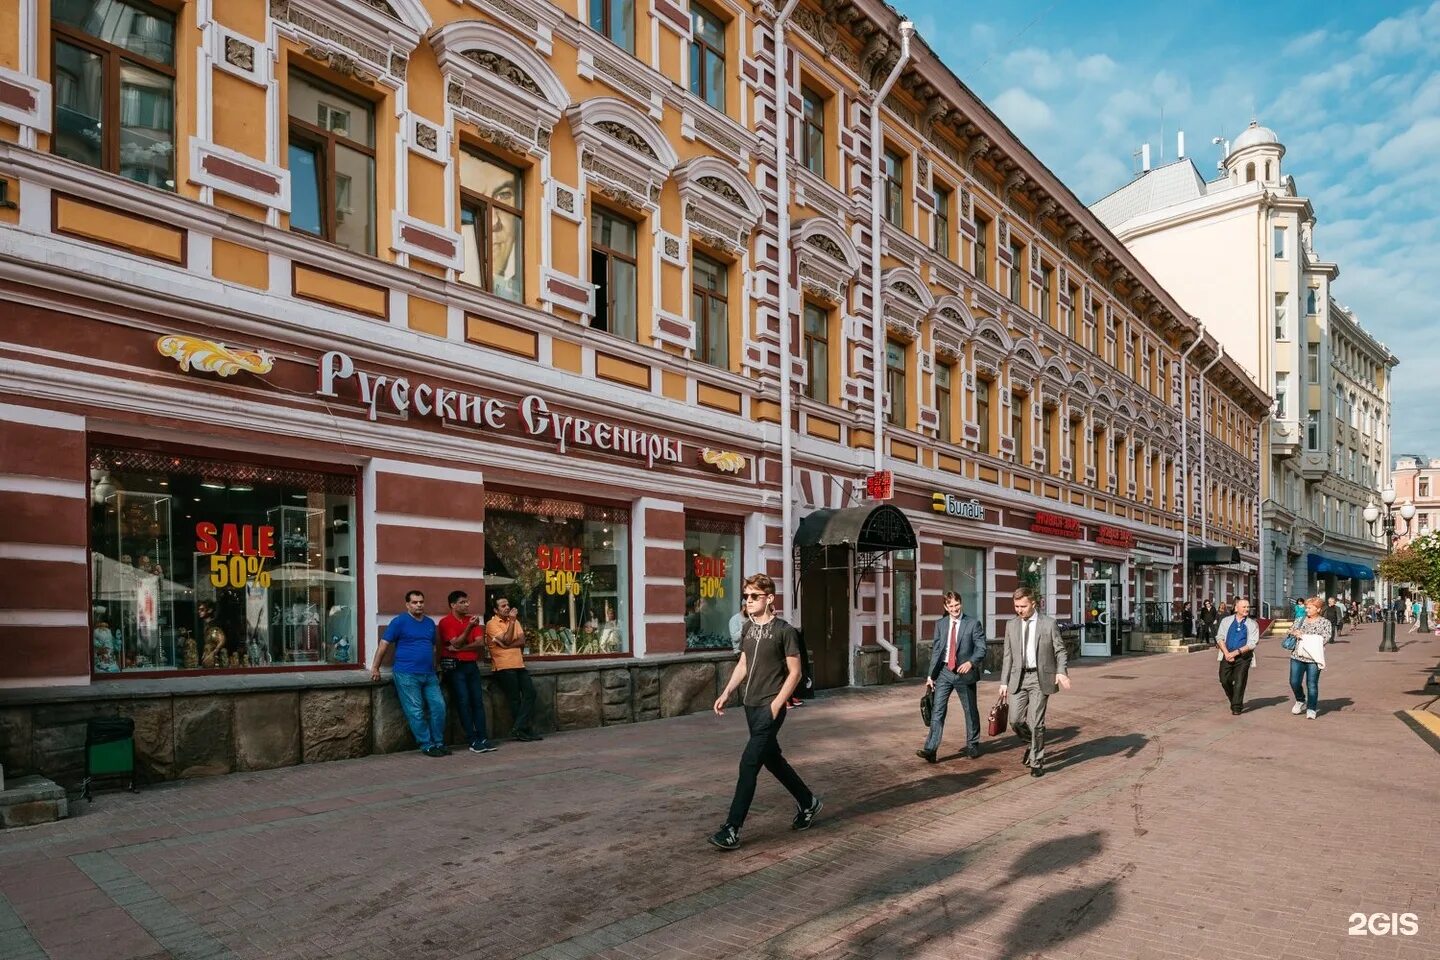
{"x": 753, "y": 596}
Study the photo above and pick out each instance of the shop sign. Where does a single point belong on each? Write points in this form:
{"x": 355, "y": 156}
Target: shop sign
{"x": 399, "y": 396}
{"x": 237, "y": 552}
{"x": 710, "y": 571}
{"x": 880, "y": 485}
{"x": 562, "y": 567}
{"x": 953, "y": 506}
{"x": 1114, "y": 537}
{"x": 1054, "y": 525}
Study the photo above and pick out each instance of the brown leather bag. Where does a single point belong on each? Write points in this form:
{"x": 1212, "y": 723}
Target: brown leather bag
{"x": 999, "y": 718}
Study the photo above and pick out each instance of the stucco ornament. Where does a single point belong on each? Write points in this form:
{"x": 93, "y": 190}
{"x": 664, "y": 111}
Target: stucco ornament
{"x": 207, "y": 356}
{"x": 725, "y": 461}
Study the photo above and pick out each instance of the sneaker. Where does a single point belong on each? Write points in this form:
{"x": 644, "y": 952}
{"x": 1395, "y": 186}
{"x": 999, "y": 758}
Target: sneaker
{"x": 795, "y": 702}
{"x": 482, "y": 746}
{"x": 1309, "y": 714}
{"x": 432, "y": 752}
{"x": 1298, "y": 709}
{"x": 444, "y": 750}
{"x": 726, "y": 838}
{"x": 804, "y": 816}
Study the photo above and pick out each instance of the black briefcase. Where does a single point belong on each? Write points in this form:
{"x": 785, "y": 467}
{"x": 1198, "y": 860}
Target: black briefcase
{"x": 927, "y": 706}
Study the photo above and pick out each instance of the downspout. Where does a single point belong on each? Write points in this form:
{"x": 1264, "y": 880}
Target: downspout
{"x": 1204, "y": 500}
{"x": 1185, "y": 466}
{"x": 782, "y": 186}
{"x": 877, "y": 316}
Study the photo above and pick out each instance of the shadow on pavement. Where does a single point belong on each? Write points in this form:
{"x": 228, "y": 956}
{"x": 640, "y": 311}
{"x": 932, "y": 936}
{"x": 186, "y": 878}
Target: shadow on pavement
{"x": 1331, "y": 706}
{"x": 1128, "y": 744}
{"x": 1059, "y": 917}
{"x": 919, "y": 791}
{"x": 1264, "y": 702}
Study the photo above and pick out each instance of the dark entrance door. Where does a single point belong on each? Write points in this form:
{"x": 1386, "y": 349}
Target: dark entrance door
{"x": 902, "y": 622}
{"x": 825, "y": 613}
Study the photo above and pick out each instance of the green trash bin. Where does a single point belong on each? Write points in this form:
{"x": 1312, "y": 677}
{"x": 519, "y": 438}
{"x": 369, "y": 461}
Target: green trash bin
{"x": 109, "y": 752}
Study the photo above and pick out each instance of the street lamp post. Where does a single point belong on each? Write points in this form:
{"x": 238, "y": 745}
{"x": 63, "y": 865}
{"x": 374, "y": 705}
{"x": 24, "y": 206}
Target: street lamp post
{"x": 1385, "y": 515}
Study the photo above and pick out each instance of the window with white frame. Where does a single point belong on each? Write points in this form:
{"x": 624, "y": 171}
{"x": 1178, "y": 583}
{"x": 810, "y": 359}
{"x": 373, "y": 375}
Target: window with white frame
{"x": 1279, "y": 243}
{"x": 1282, "y": 316}
{"x": 1282, "y": 396}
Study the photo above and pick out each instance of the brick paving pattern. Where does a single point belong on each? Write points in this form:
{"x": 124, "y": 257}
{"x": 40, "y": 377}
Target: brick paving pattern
{"x": 1164, "y": 828}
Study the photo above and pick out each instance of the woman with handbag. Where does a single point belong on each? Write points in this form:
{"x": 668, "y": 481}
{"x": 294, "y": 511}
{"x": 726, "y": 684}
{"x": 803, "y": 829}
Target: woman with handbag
{"x": 1306, "y": 643}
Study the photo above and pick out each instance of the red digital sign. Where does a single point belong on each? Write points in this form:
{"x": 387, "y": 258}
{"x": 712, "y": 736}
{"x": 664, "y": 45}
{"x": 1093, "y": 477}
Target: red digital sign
{"x": 1054, "y": 525}
{"x": 880, "y": 485}
{"x": 1114, "y": 537}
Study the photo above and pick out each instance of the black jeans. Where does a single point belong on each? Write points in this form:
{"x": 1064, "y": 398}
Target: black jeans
{"x": 469, "y": 701}
{"x": 520, "y": 693}
{"x": 763, "y": 750}
{"x": 1233, "y": 675}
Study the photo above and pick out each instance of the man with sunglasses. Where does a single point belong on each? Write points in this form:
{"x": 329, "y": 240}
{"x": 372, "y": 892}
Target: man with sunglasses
{"x": 767, "y": 674}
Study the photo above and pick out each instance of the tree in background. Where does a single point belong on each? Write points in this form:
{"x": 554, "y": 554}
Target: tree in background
{"x": 1417, "y": 563}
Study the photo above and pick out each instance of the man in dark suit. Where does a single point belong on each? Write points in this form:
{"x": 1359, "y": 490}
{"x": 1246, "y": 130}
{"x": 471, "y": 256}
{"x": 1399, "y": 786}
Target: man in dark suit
{"x": 1034, "y": 664}
{"x": 957, "y": 655}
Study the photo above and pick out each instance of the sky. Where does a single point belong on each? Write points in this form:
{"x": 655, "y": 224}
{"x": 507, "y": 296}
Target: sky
{"x": 1352, "y": 90}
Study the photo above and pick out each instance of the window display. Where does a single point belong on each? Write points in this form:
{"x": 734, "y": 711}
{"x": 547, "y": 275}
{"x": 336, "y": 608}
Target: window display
{"x": 201, "y": 564}
{"x": 964, "y": 570}
{"x": 712, "y": 581}
{"x": 566, "y": 567}
{"x": 1031, "y": 572}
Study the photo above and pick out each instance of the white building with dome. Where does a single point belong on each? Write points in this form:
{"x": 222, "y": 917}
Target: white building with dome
{"x": 1238, "y": 253}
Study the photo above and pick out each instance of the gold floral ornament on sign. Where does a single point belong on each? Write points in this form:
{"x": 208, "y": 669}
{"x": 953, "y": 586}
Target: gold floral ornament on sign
{"x": 207, "y": 356}
{"x": 723, "y": 460}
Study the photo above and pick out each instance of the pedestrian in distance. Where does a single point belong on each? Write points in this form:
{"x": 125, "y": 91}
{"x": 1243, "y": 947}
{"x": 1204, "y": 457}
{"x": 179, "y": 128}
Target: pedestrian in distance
{"x": 1207, "y": 619}
{"x": 957, "y": 658}
{"x": 1034, "y": 665}
{"x": 462, "y": 638}
{"x": 1236, "y": 639}
{"x": 1336, "y": 616}
{"x": 767, "y": 673}
{"x": 506, "y": 637}
{"x": 1414, "y": 617}
{"x": 1308, "y": 658}
{"x": 412, "y": 637}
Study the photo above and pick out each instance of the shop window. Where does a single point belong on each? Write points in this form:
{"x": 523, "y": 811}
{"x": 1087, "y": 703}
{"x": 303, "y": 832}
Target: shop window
{"x": 712, "y": 581}
{"x": 114, "y": 86}
{"x": 895, "y": 387}
{"x": 817, "y": 353}
{"x": 1031, "y": 572}
{"x": 492, "y": 224}
{"x": 614, "y": 20}
{"x": 710, "y": 310}
{"x": 565, "y": 566}
{"x": 707, "y": 56}
{"x": 812, "y": 132}
{"x": 332, "y": 164}
{"x": 942, "y": 221}
{"x": 944, "y": 373}
{"x": 613, "y": 271}
{"x": 963, "y": 570}
{"x": 205, "y": 564}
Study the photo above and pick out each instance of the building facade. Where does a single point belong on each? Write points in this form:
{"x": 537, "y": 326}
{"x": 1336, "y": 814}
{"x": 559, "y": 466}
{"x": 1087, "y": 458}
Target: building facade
{"x": 1326, "y": 441}
{"x": 313, "y": 302}
{"x": 1416, "y": 480}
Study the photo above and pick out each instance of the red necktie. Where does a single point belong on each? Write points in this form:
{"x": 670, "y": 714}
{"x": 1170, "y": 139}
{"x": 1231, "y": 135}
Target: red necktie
{"x": 950, "y": 659}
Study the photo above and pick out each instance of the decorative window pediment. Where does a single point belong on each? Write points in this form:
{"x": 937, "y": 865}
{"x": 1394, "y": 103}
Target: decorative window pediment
{"x": 721, "y": 206}
{"x": 828, "y": 260}
{"x": 500, "y": 85}
{"x": 622, "y": 152}
{"x": 907, "y": 301}
{"x": 364, "y": 39}
{"x": 950, "y": 326}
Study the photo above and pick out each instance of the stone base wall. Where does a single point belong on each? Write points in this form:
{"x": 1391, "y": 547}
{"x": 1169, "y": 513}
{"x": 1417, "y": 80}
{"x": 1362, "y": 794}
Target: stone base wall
{"x": 246, "y": 726}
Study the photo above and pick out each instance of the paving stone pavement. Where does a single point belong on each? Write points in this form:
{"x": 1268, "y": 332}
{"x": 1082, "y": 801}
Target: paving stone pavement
{"x": 1164, "y": 828}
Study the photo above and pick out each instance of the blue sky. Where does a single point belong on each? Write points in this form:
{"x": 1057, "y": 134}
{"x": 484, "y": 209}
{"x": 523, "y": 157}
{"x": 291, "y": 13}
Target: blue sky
{"x": 1353, "y": 90}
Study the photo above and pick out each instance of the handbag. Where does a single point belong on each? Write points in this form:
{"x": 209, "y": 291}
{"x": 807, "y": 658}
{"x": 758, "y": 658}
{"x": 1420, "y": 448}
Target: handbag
{"x": 927, "y": 706}
{"x": 999, "y": 718}
{"x": 1288, "y": 643}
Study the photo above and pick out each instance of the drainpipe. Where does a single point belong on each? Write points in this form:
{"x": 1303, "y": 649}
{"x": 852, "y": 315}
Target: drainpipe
{"x": 1185, "y": 466}
{"x": 782, "y": 186}
{"x": 1204, "y": 502}
{"x": 877, "y": 316}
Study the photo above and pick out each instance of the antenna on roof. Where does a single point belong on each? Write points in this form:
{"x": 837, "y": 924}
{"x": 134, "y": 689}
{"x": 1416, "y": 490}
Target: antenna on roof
{"x": 1224, "y": 146}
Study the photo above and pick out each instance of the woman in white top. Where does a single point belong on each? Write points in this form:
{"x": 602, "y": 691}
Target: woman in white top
{"x": 1308, "y": 658}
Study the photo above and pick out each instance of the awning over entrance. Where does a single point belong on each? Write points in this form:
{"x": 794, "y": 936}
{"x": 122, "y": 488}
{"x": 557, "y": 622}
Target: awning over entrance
{"x": 878, "y": 529}
{"x": 1213, "y": 556}
{"x": 1343, "y": 569}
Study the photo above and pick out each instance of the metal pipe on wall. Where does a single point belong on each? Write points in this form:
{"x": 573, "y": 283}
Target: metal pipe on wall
{"x": 1185, "y": 465}
{"x": 783, "y": 258}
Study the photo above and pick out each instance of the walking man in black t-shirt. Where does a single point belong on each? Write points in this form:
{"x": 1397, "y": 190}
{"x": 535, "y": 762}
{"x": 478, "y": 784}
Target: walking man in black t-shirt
{"x": 767, "y": 673}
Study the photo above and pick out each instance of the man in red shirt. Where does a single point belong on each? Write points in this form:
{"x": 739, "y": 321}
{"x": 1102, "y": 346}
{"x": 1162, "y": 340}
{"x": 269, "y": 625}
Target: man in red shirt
{"x": 462, "y": 637}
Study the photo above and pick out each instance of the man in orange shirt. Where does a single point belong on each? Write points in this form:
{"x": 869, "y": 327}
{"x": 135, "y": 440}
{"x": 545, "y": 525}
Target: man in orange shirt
{"x": 507, "y": 642}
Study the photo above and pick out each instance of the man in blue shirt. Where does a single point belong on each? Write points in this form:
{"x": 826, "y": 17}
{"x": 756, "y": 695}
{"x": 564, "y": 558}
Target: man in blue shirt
{"x": 417, "y": 683}
{"x": 1236, "y": 639}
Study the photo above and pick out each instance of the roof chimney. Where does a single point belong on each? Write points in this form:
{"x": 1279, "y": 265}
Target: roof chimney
{"x": 1180, "y": 145}
{"x": 1145, "y": 158}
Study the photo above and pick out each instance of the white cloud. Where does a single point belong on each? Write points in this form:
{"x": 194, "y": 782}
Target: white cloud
{"x": 1418, "y": 144}
{"x": 1023, "y": 112}
{"x": 1305, "y": 43}
{"x": 1034, "y": 68}
{"x": 1095, "y": 68}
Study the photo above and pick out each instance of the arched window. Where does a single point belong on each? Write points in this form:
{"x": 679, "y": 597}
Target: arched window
{"x": 1249, "y": 173}
{"x": 1267, "y": 171}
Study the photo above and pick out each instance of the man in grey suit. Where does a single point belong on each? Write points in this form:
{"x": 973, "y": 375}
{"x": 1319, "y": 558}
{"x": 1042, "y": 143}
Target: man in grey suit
{"x": 957, "y": 655}
{"x": 1034, "y": 664}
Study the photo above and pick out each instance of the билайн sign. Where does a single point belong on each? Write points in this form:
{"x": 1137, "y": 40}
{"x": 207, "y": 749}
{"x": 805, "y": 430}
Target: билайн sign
{"x": 953, "y": 506}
